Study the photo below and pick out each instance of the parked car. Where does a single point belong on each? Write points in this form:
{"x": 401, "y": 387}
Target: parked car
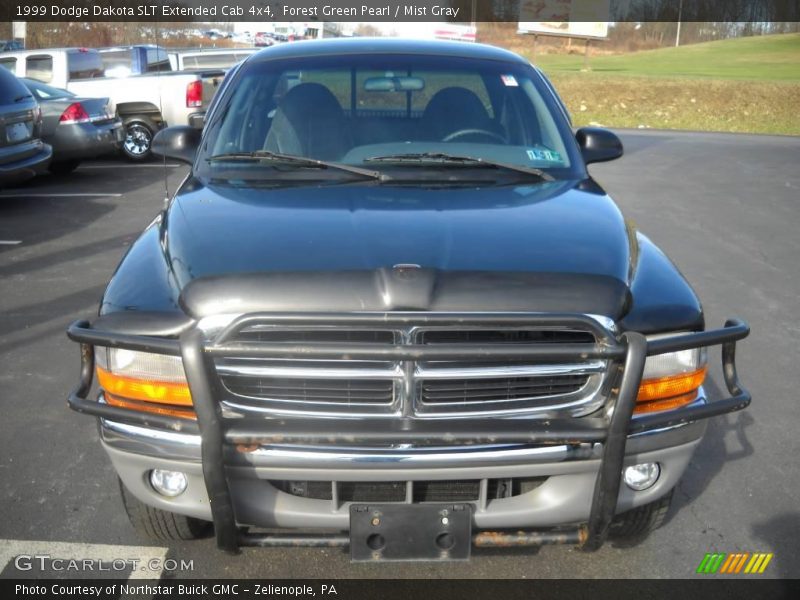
{"x": 263, "y": 39}
{"x": 76, "y": 128}
{"x": 243, "y": 37}
{"x": 6, "y": 45}
{"x": 203, "y": 58}
{"x": 145, "y": 103}
{"x": 22, "y": 152}
{"x": 389, "y": 300}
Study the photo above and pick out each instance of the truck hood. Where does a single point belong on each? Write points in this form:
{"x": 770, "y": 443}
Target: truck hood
{"x": 560, "y": 246}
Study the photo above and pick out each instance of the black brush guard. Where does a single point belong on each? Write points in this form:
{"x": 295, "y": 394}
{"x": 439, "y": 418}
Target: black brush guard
{"x": 627, "y": 353}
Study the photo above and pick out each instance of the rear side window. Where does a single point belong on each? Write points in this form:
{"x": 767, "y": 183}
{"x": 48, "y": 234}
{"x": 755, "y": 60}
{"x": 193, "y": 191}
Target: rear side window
{"x": 39, "y": 68}
{"x": 157, "y": 60}
{"x": 117, "y": 63}
{"x": 84, "y": 65}
{"x": 336, "y": 80}
{"x": 436, "y": 81}
{"x": 11, "y": 88}
{"x": 9, "y": 62}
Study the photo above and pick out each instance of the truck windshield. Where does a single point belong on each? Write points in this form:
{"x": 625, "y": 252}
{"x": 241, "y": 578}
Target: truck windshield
{"x": 379, "y": 111}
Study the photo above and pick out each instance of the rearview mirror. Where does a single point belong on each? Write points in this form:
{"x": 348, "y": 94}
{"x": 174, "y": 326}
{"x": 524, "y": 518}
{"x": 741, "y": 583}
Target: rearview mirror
{"x": 179, "y": 142}
{"x": 598, "y": 145}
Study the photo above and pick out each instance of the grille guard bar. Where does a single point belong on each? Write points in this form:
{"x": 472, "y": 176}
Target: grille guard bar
{"x": 628, "y": 352}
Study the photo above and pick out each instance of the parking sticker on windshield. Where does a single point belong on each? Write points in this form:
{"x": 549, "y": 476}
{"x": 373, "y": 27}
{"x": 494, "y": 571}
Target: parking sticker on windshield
{"x": 547, "y": 155}
{"x": 509, "y": 80}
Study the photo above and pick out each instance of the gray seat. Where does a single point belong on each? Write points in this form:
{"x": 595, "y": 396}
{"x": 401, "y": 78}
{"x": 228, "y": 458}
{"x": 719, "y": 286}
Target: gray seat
{"x": 309, "y": 121}
{"x": 453, "y": 109}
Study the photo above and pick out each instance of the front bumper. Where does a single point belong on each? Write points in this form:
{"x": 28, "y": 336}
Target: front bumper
{"x": 568, "y": 473}
{"x": 238, "y": 457}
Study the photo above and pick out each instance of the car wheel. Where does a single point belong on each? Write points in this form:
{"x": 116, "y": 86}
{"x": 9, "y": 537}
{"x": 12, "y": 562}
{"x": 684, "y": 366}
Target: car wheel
{"x": 634, "y": 525}
{"x": 64, "y": 167}
{"x": 158, "y": 524}
{"x": 138, "y": 140}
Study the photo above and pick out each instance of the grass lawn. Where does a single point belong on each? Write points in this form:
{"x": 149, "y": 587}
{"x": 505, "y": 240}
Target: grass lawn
{"x": 761, "y": 58}
{"x": 743, "y": 85}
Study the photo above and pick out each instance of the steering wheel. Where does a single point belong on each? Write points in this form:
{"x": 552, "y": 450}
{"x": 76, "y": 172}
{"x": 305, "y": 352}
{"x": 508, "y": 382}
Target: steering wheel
{"x": 464, "y": 132}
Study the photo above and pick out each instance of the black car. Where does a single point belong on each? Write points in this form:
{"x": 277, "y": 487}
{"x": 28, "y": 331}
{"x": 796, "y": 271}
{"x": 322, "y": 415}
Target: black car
{"x": 77, "y": 128}
{"x": 22, "y": 153}
{"x": 389, "y": 300}
{"x": 11, "y": 45}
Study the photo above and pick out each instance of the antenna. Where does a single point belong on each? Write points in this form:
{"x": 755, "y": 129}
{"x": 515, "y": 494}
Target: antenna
{"x": 157, "y": 34}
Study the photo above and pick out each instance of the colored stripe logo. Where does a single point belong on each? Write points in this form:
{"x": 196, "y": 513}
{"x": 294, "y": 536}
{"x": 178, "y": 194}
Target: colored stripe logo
{"x": 734, "y": 563}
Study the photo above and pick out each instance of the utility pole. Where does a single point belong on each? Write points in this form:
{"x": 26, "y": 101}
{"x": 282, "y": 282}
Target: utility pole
{"x": 586, "y": 56}
{"x": 678, "y": 33}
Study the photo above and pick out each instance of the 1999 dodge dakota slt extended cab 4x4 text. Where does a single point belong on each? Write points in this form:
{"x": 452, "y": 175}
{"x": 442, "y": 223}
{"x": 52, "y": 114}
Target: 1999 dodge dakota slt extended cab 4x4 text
{"x": 389, "y": 306}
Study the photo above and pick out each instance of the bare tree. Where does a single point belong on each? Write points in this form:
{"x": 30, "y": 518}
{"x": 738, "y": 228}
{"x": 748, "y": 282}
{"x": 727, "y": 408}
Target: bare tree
{"x": 367, "y": 30}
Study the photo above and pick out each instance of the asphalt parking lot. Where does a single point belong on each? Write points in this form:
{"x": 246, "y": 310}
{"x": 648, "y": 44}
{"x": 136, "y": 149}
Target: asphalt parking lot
{"x": 725, "y": 208}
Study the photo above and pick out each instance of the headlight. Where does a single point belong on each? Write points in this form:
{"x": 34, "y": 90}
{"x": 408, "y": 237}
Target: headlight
{"x": 143, "y": 381}
{"x": 671, "y": 380}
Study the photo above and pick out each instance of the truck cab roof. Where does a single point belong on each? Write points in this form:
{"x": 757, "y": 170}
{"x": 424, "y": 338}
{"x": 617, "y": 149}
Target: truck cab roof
{"x": 310, "y": 48}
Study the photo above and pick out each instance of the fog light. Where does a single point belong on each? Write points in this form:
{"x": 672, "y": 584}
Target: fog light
{"x": 168, "y": 483}
{"x": 640, "y": 477}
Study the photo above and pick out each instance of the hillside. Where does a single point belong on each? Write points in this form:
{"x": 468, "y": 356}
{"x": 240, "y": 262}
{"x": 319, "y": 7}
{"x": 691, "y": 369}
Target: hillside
{"x": 743, "y": 85}
{"x": 772, "y": 58}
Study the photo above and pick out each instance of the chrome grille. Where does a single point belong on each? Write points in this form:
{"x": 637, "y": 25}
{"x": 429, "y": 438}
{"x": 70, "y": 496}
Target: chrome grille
{"x": 350, "y": 391}
{"x": 324, "y": 335}
{"x": 498, "y": 389}
{"x": 502, "y": 336}
{"x": 344, "y": 387}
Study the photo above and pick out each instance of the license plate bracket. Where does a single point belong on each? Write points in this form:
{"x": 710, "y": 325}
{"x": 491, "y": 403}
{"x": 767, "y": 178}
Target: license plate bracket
{"x": 17, "y": 132}
{"x": 409, "y": 532}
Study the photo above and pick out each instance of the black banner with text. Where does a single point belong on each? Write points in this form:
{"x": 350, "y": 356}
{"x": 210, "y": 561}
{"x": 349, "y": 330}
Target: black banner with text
{"x": 402, "y": 589}
{"x": 454, "y": 11}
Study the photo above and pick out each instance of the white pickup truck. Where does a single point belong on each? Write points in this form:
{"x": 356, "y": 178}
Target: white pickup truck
{"x": 208, "y": 58}
{"x": 146, "y": 103}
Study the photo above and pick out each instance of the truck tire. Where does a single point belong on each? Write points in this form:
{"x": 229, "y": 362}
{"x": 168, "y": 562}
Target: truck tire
{"x": 138, "y": 139}
{"x": 158, "y": 524}
{"x": 638, "y": 522}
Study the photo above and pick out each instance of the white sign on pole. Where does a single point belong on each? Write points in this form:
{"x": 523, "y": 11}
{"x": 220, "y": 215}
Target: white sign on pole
{"x": 18, "y": 29}
{"x": 572, "y": 18}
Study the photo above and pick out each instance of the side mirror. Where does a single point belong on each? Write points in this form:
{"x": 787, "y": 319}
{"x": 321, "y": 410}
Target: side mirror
{"x": 598, "y": 145}
{"x": 179, "y": 142}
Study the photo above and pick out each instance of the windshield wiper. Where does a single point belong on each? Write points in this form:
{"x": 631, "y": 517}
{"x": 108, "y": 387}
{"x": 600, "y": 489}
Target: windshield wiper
{"x": 441, "y": 158}
{"x": 298, "y": 161}
{"x": 21, "y": 98}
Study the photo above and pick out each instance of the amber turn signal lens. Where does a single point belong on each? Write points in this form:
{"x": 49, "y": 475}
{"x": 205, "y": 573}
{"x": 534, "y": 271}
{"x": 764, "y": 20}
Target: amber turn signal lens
{"x": 162, "y": 392}
{"x": 150, "y": 407}
{"x": 670, "y": 392}
{"x": 673, "y": 385}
